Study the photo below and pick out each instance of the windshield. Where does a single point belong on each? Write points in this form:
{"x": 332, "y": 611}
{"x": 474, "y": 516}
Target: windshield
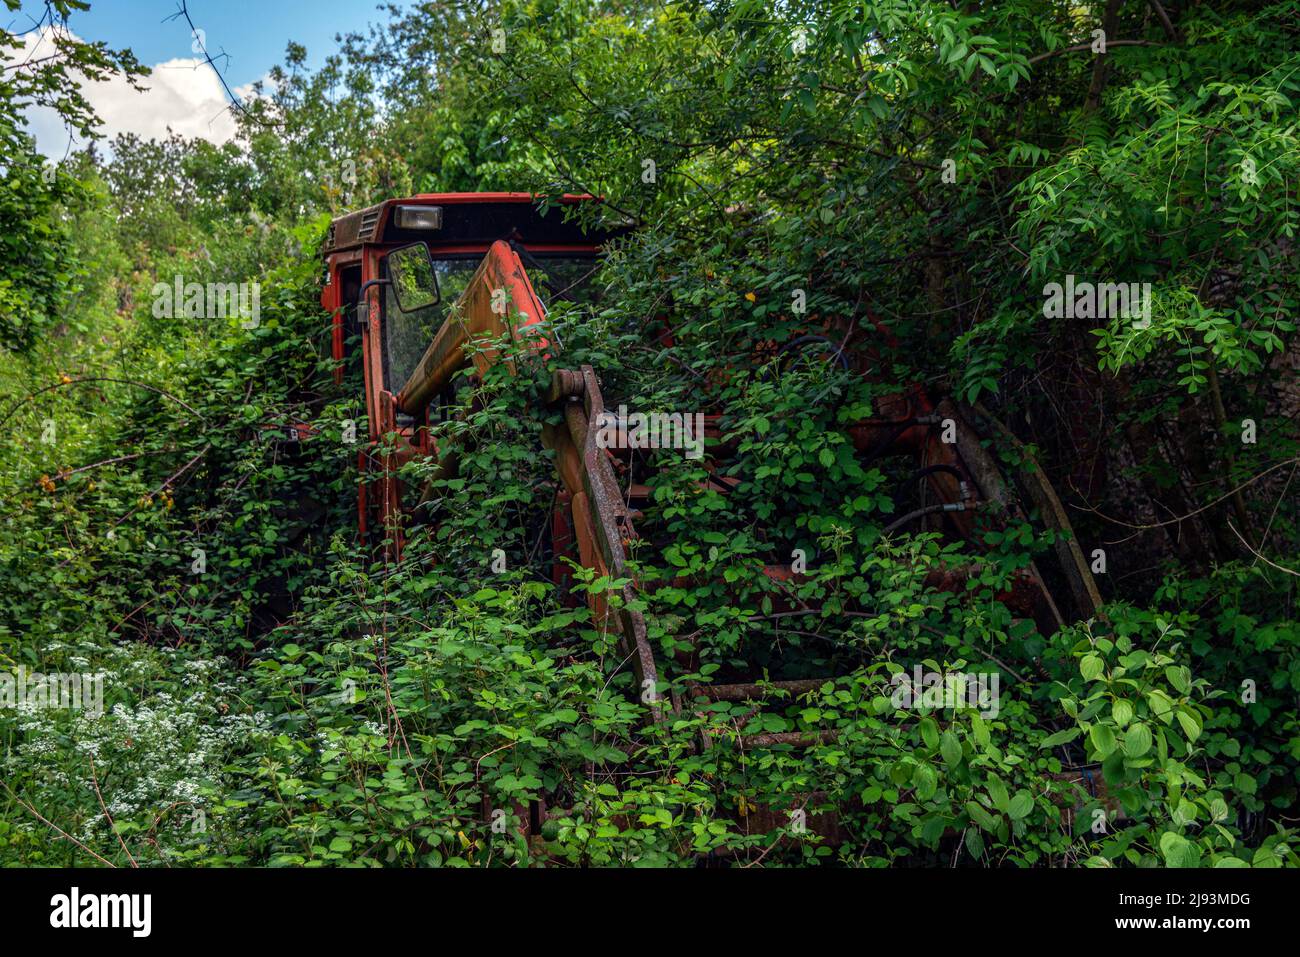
{"x": 564, "y": 278}
{"x": 407, "y": 334}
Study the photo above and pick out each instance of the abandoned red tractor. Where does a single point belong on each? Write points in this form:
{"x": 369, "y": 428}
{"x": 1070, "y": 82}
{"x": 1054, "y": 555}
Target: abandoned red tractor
{"x": 435, "y": 283}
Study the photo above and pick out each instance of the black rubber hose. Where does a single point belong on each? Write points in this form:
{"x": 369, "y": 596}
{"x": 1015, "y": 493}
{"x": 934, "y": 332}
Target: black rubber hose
{"x": 919, "y": 512}
{"x": 939, "y": 467}
{"x": 804, "y": 340}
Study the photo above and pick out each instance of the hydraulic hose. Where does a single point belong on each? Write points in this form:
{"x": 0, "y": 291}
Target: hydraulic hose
{"x": 927, "y": 510}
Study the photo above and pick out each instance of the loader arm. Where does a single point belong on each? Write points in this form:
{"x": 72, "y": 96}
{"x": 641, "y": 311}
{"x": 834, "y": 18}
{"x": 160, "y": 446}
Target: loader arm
{"x": 498, "y": 300}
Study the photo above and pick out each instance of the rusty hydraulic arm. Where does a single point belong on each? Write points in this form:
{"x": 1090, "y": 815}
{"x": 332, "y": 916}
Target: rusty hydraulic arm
{"x": 498, "y": 300}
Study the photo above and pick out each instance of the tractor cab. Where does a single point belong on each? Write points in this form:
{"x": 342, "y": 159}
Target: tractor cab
{"x": 395, "y": 270}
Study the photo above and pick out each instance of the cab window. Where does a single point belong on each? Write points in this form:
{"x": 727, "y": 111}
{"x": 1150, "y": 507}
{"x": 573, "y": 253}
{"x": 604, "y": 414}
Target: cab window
{"x": 408, "y": 334}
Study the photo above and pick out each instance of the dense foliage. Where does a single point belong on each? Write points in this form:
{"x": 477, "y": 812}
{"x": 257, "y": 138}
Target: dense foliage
{"x": 278, "y": 693}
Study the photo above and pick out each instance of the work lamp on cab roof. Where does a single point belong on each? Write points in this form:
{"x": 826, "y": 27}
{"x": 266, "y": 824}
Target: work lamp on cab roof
{"x": 418, "y": 217}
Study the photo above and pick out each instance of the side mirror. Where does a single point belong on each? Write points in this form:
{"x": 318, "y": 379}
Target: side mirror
{"x": 415, "y": 281}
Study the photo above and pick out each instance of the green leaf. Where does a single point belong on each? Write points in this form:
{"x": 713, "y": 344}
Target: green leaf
{"x": 1060, "y": 737}
{"x": 1178, "y": 851}
{"x": 1137, "y": 741}
{"x": 926, "y": 782}
{"x": 1180, "y": 677}
{"x": 1162, "y": 706}
{"x": 1102, "y": 738}
{"x": 1091, "y": 667}
{"x": 1265, "y": 857}
{"x": 1020, "y": 805}
{"x": 950, "y": 748}
{"x": 980, "y": 816}
{"x": 930, "y": 732}
{"x": 998, "y": 792}
{"x": 1218, "y": 809}
{"x": 1191, "y": 723}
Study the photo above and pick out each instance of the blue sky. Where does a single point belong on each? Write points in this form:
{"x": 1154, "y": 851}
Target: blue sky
{"x": 184, "y": 96}
{"x": 253, "y": 32}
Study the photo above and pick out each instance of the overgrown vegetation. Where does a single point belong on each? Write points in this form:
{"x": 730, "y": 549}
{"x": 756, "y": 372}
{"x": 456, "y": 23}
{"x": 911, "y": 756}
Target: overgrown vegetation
{"x": 276, "y": 693}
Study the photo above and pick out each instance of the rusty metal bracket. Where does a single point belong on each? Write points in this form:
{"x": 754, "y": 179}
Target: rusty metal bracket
{"x": 602, "y": 524}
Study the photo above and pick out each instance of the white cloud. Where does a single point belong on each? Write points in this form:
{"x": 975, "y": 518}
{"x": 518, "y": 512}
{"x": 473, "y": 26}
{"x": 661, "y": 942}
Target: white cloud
{"x": 183, "y": 95}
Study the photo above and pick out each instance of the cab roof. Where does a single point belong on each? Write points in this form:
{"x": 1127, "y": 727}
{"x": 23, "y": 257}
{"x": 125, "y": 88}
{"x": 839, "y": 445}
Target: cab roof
{"x": 467, "y": 218}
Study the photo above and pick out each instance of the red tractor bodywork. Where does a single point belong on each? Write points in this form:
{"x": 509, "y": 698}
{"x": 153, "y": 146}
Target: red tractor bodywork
{"x": 487, "y": 230}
